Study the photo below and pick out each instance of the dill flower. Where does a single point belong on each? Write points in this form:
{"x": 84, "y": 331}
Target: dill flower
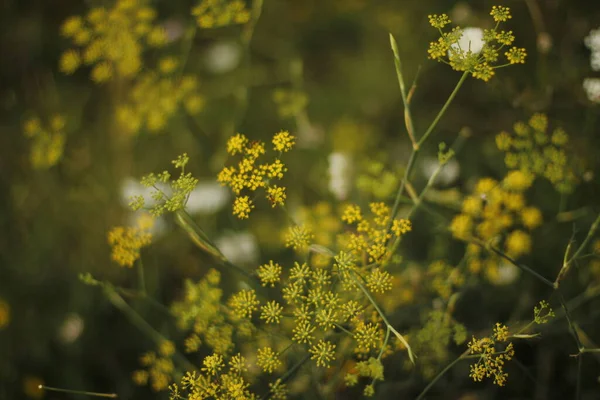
{"x": 367, "y": 336}
{"x": 269, "y": 274}
{"x": 531, "y": 217}
{"x": 473, "y": 50}
{"x": 303, "y": 332}
{"x": 271, "y": 312}
{"x": 401, "y": 226}
{"x": 352, "y": 214}
{"x": 491, "y": 361}
{"x": 461, "y": 226}
{"x": 244, "y": 303}
{"x": 69, "y": 62}
{"x": 298, "y": 237}
{"x": 242, "y": 207}
{"x": 323, "y": 352}
{"x": 102, "y": 72}
{"x": 379, "y": 281}
{"x": 276, "y": 195}
{"x": 126, "y": 244}
{"x": 542, "y": 313}
{"x": 278, "y": 390}
{"x": 236, "y": 144}
{"x": 267, "y": 359}
{"x": 518, "y": 243}
{"x": 213, "y": 14}
{"x": 213, "y": 364}
{"x": 283, "y": 141}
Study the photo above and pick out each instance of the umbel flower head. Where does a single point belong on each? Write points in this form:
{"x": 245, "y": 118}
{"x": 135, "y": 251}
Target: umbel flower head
{"x": 112, "y": 40}
{"x": 473, "y": 50}
{"x": 249, "y": 176}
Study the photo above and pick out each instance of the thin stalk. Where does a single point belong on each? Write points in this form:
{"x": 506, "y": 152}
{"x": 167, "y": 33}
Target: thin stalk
{"x": 415, "y": 152}
{"x": 444, "y": 108}
{"x": 383, "y": 317}
{"x": 567, "y": 265}
{"x": 142, "y": 325}
{"x": 289, "y": 374}
{"x": 405, "y": 98}
{"x": 515, "y": 263}
{"x": 80, "y": 392}
{"x": 442, "y": 373}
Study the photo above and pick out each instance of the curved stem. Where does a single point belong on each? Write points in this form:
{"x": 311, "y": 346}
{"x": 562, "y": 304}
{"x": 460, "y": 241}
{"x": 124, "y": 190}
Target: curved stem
{"x": 442, "y": 372}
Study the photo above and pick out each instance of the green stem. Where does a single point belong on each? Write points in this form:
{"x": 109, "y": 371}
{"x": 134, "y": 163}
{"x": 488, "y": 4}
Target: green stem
{"x": 442, "y": 372}
{"x": 383, "y": 317}
{"x": 142, "y": 325}
{"x": 80, "y": 392}
{"x": 415, "y": 152}
{"x": 444, "y": 108}
{"x": 567, "y": 265}
{"x": 515, "y": 263}
{"x": 407, "y": 114}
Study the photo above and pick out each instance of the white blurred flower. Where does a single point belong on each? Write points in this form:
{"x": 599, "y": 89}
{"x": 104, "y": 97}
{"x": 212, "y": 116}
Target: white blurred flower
{"x": 471, "y": 39}
{"x": 592, "y": 89}
{"x": 207, "y": 198}
{"x": 71, "y": 328}
{"x": 239, "y": 248}
{"x": 340, "y": 169}
{"x": 595, "y": 60}
{"x": 447, "y": 175}
{"x": 507, "y": 274}
{"x": 223, "y": 57}
{"x": 592, "y": 41}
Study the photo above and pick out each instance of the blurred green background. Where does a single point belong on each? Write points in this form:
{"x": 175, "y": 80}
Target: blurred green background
{"x": 58, "y": 331}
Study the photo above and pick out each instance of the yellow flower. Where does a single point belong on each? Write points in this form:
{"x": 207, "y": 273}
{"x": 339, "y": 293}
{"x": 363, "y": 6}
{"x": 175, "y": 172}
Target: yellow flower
{"x": 71, "y": 26}
{"x": 236, "y": 144}
{"x": 518, "y": 243}
{"x": 276, "y": 195}
{"x": 69, "y": 61}
{"x": 531, "y": 217}
{"x": 102, "y": 72}
{"x": 461, "y": 227}
{"x": 127, "y": 242}
{"x": 518, "y": 180}
{"x": 283, "y": 141}
{"x": 242, "y": 207}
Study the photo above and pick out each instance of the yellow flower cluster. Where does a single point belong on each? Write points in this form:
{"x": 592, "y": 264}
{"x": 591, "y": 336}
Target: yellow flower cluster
{"x": 491, "y": 213}
{"x": 491, "y": 361}
{"x": 218, "y": 380}
{"x": 48, "y": 140}
{"x": 373, "y": 234}
{"x": 112, "y": 40}
{"x": 201, "y": 311}
{"x": 156, "y": 97}
{"x": 158, "y": 368}
{"x": 216, "y": 13}
{"x": 180, "y": 189}
{"x": 444, "y": 278}
{"x": 289, "y": 102}
{"x": 126, "y": 242}
{"x": 535, "y": 150}
{"x": 376, "y": 180}
{"x": 432, "y": 341}
{"x": 249, "y": 176}
{"x": 481, "y": 64}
